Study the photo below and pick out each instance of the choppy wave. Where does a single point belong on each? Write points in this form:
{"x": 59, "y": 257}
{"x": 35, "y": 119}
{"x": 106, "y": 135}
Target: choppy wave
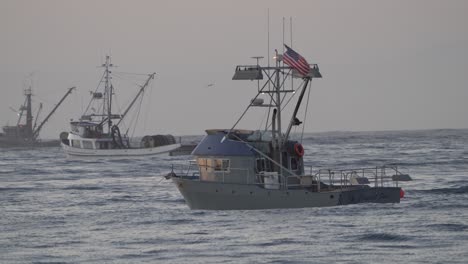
{"x": 56, "y": 210}
{"x": 383, "y": 237}
{"x": 449, "y": 227}
{"x": 83, "y": 188}
{"x": 16, "y": 189}
{"x": 442, "y": 191}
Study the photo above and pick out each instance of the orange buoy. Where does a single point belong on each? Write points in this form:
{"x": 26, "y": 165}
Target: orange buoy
{"x": 402, "y": 193}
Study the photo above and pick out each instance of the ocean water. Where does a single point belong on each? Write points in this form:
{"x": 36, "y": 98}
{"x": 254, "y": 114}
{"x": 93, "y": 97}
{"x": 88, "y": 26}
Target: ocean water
{"x": 58, "y": 210}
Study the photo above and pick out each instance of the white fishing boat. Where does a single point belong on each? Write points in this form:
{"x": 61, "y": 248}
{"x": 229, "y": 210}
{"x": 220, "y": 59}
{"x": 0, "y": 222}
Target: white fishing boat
{"x": 98, "y": 131}
{"x": 262, "y": 169}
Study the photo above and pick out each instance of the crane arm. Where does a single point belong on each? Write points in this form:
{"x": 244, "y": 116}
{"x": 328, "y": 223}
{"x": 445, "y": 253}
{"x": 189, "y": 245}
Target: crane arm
{"x": 36, "y": 131}
{"x": 142, "y": 88}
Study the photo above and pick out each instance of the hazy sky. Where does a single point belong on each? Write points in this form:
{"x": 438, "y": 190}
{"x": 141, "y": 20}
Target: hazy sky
{"x": 387, "y": 65}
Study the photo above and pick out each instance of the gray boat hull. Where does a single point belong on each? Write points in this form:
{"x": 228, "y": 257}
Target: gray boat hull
{"x": 7, "y": 142}
{"x": 225, "y": 196}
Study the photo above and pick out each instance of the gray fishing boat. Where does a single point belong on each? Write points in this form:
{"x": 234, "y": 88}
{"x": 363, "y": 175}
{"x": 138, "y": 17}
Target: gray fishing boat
{"x": 262, "y": 169}
{"x": 27, "y": 129}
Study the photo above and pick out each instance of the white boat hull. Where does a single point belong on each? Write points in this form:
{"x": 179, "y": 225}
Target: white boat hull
{"x": 124, "y": 152}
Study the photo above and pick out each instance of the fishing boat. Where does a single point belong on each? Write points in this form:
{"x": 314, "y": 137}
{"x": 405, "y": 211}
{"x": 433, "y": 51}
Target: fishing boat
{"x": 26, "y": 132}
{"x": 98, "y": 133}
{"x": 237, "y": 169}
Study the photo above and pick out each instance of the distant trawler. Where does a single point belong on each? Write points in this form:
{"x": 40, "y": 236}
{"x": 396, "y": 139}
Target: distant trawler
{"x": 97, "y": 133}
{"x": 263, "y": 169}
{"x": 26, "y": 131}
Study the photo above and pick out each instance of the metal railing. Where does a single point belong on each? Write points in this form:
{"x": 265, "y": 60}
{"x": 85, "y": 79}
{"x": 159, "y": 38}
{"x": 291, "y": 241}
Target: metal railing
{"x": 193, "y": 171}
{"x": 378, "y": 176}
{"x": 321, "y": 180}
{"x": 330, "y": 179}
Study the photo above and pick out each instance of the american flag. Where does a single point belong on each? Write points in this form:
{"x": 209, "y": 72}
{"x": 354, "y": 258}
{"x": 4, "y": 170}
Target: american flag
{"x": 293, "y": 59}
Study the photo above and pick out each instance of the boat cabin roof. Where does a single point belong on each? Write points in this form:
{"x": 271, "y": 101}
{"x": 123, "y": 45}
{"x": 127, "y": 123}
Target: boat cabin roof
{"x": 215, "y": 144}
{"x": 226, "y": 142}
{"x": 225, "y": 131}
{"x": 84, "y": 124}
{"x": 244, "y": 134}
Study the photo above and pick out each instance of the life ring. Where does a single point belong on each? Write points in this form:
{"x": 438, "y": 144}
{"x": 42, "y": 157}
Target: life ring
{"x": 299, "y": 149}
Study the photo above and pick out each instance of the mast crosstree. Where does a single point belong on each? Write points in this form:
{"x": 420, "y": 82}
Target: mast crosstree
{"x": 275, "y": 87}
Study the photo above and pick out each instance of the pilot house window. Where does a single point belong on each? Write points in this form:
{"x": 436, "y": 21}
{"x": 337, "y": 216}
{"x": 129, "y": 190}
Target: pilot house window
{"x": 104, "y": 145}
{"x": 76, "y": 143}
{"x": 202, "y": 164}
{"x": 221, "y": 164}
{"x": 260, "y": 165}
{"x": 87, "y": 144}
{"x": 214, "y": 164}
{"x": 294, "y": 164}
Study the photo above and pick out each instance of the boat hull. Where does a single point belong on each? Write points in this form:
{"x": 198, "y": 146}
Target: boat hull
{"x": 18, "y": 143}
{"x": 130, "y": 152}
{"x": 225, "y": 196}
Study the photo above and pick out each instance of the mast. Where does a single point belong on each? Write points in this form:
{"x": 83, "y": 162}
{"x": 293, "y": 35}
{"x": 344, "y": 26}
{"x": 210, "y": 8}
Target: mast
{"x": 142, "y": 88}
{"x": 21, "y": 111}
{"x": 108, "y": 92}
{"x": 29, "y": 117}
{"x": 278, "y": 100}
{"x": 35, "y": 133}
{"x": 275, "y": 91}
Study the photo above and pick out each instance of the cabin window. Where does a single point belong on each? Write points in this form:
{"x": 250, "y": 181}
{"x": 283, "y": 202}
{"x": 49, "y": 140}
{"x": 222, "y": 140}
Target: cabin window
{"x": 202, "y": 164}
{"x": 269, "y": 165}
{"x": 221, "y": 164}
{"x": 226, "y": 165}
{"x": 104, "y": 145}
{"x": 260, "y": 164}
{"x": 284, "y": 159}
{"x": 75, "y": 143}
{"x": 294, "y": 164}
{"x": 74, "y": 128}
{"x": 87, "y": 144}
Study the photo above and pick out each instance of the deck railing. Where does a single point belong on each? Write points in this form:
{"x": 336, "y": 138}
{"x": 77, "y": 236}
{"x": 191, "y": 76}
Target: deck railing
{"x": 193, "y": 171}
{"x": 378, "y": 176}
{"x": 321, "y": 180}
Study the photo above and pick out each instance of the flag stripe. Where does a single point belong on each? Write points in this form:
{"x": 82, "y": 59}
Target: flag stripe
{"x": 300, "y": 67}
{"x": 293, "y": 59}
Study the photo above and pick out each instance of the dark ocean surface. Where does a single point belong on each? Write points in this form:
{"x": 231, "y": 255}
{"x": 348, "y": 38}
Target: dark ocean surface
{"x": 59, "y": 210}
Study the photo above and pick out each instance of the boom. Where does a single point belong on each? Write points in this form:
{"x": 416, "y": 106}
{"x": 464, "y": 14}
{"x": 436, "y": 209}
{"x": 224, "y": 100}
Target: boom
{"x": 36, "y": 131}
{"x": 37, "y": 116}
{"x": 142, "y": 88}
